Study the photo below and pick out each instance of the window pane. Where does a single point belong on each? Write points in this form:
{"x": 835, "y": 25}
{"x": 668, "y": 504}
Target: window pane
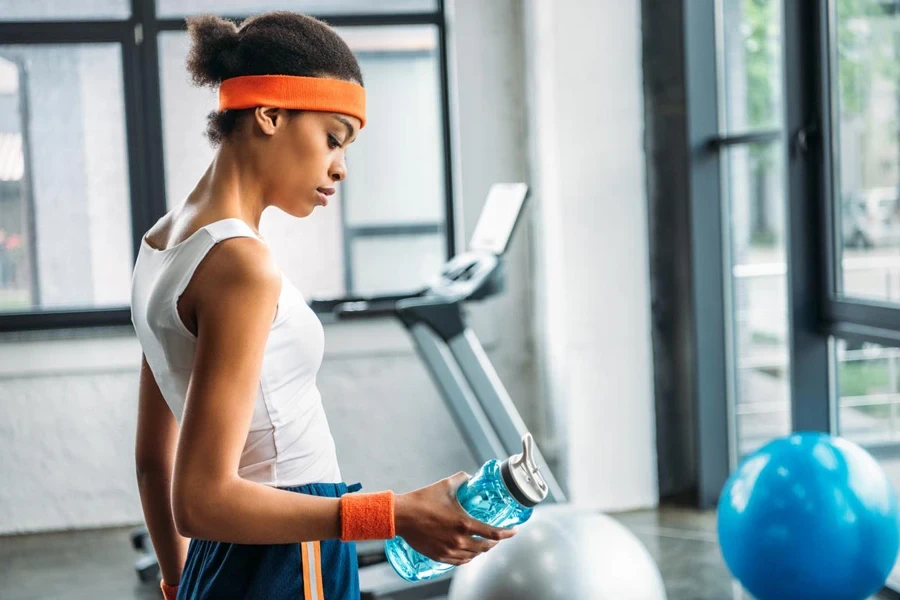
{"x": 63, "y": 10}
{"x": 756, "y": 206}
{"x": 751, "y": 69}
{"x": 867, "y": 153}
{"x": 868, "y": 393}
{"x": 310, "y": 251}
{"x": 868, "y": 397}
{"x": 186, "y": 151}
{"x": 65, "y": 219}
{"x": 396, "y": 165}
{"x": 178, "y": 8}
{"x": 397, "y": 263}
{"x": 400, "y": 65}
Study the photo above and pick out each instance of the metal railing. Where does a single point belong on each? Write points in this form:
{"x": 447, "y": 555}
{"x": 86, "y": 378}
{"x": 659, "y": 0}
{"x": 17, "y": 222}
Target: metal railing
{"x": 868, "y": 418}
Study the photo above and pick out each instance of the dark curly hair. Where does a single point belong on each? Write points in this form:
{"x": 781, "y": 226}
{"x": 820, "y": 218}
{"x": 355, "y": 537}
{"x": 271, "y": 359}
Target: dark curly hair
{"x": 273, "y": 43}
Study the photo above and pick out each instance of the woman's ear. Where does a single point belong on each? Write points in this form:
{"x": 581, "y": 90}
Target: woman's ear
{"x": 266, "y": 118}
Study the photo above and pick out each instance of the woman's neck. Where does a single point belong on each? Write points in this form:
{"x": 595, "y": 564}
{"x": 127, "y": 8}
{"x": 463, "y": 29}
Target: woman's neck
{"x": 230, "y": 188}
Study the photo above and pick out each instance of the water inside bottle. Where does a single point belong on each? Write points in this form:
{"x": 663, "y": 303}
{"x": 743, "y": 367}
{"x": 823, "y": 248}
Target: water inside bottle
{"x": 485, "y": 497}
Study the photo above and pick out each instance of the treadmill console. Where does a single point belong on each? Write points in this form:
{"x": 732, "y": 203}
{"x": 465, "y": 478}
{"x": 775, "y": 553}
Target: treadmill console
{"x": 476, "y": 274}
{"x": 499, "y": 216}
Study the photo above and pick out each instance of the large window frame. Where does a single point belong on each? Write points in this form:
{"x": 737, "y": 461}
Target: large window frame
{"x": 138, "y": 40}
{"x": 818, "y": 315}
{"x": 814, "y": 312}
{"x": 849, "y": 318}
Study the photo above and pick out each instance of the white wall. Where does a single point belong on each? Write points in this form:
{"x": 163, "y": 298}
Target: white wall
{"x": 592, "y": 272}
{"x": 68, "y": 399}
{"x": 490, "y": 71}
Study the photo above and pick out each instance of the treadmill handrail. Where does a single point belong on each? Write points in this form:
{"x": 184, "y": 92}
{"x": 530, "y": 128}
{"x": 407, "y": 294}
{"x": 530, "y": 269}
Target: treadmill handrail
{"x": 347, "y": 303}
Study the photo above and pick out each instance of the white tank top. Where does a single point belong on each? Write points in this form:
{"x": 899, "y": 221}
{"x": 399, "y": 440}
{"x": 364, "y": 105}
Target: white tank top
{"x": 289, "y": 442}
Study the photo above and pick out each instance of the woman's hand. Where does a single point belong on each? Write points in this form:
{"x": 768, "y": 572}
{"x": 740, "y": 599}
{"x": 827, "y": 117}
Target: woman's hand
{"x": 431, "y": 520}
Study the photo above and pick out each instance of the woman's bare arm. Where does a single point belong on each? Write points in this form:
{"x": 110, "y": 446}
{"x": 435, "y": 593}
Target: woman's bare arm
{"x": 157, "y": 435}
{"x": 234, "y": 296}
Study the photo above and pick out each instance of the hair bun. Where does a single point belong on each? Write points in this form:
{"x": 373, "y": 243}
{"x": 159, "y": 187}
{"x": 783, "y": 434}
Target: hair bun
{"x": 213, "y": 52}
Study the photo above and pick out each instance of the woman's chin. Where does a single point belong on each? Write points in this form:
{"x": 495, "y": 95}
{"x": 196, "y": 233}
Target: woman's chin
{"x": 299, "y": 211}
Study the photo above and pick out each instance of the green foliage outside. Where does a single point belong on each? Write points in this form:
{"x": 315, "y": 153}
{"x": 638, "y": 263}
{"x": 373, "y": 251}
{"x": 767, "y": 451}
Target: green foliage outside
{"x": 863, "y": 52}
{"x": 868, "y": 47}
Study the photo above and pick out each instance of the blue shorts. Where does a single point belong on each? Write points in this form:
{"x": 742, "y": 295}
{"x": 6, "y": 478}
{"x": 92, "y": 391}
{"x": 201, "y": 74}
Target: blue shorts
{"x": 326, "y": 570}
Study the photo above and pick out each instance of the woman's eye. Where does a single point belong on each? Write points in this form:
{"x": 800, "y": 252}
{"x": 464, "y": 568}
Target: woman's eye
{"x": 333, "y": 142}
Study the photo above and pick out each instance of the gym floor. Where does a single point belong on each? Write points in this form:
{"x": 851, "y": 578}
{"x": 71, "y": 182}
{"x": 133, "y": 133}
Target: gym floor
{"x": 98, "y": 564}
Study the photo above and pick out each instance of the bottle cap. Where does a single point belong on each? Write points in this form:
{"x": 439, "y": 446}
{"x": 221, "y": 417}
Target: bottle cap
{"x": 523, "y": 477}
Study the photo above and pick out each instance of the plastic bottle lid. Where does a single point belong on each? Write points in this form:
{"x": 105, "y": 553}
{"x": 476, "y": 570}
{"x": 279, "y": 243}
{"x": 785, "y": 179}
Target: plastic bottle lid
{"x": 523, "y": 477}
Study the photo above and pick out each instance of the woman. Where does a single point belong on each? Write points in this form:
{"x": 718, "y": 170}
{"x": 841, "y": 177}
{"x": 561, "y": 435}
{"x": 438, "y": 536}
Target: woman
{"x": 233, "y": 448}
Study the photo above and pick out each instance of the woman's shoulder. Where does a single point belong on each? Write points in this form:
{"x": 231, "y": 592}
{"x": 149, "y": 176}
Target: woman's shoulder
{"x": 239, "y": 263}
{"x": 236, "y": 275}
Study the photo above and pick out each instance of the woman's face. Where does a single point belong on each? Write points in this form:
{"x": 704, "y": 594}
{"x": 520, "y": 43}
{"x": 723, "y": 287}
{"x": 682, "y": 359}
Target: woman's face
{"x": 305, "y": 157}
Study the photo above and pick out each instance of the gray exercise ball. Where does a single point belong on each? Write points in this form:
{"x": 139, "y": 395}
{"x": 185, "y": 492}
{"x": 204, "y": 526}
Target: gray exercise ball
{"x": 562, "y": 553}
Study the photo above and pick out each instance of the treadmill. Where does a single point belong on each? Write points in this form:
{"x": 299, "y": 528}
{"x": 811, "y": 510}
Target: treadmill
{"x": 469, "y": 385}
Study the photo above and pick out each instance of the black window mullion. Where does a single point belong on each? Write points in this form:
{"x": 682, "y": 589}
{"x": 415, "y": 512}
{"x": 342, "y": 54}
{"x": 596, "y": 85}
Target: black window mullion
{"x": 809, "y": 349}
{"x": 756, "y": 137}
{"x": 340, "y": 20}
{"x": 395, "y": 229}
{"x": 64, "y": 32}
{"x": 857, "y": 334}
{"x": 872, "y": 314}
{"x": 155, "y": 205}
{"x": 347, "y": 233}
{"x": 136, "y": 133}
{"x": 61, "y": 319}
{"x": 831, "y": 258}
{"x": 446, "y": 130}
{"x": 709, "y": 319}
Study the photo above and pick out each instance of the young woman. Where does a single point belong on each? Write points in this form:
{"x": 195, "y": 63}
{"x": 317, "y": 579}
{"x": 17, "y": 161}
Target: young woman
{"x": 236, "y": 465}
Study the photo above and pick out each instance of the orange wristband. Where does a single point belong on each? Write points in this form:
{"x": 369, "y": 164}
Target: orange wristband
{"x": 367, "y": 516}
{"x": 169, "y": 591}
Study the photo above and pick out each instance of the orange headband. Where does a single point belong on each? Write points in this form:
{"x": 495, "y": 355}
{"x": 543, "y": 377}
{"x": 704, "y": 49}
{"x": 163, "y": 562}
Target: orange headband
{"x": 299, "y": 93}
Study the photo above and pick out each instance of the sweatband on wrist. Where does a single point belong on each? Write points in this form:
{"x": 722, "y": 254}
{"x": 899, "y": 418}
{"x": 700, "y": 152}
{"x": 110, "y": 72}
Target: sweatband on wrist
{"x": 289, "y": 91}
{"x": 367, "y": 516}
{"x": 169, "y": 591}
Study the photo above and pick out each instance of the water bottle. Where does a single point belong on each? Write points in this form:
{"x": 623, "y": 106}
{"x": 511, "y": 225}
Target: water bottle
{"x": 502, "y": 494}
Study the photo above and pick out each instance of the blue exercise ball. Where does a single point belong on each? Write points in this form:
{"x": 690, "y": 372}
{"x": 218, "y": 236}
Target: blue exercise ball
{"x": 809, "y": 516}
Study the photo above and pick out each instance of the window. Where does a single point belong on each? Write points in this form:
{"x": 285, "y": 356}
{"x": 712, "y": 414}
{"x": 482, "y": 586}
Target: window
{"x": 180, "y": 8}
{"x": 866, "y": 123}
{"x": 813, "y": 264}
{"x": 862, "y": 174}
{"x": 64, "y": 10}
{"x": 755, "y": 208}
{"x": 760, "y": 250}
{"x": 78, "y": 187}
{"x": 868, "y": 395}
{"x": 868, "y": 406}
{"x": 791, "y": 139}
{"x": 65, "y": 220}
{"x": 752, "y": 65}
{"x": 755, "y": 194}
{"x": 809, "y": 208}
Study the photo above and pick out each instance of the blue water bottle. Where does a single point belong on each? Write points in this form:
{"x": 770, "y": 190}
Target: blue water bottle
{"x": 501, "y": 494}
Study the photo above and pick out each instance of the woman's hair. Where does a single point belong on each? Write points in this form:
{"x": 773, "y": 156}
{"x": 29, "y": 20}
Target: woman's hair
{"x": 273, "y": 43}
